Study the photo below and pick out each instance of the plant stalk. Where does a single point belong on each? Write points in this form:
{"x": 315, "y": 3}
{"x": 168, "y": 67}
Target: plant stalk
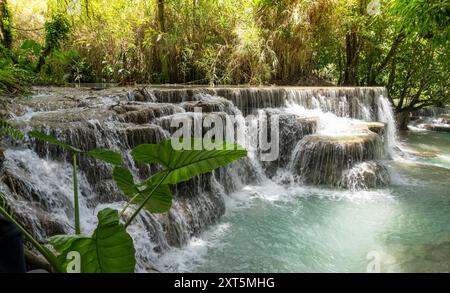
{"x": 128, "y": 204}
{"x": 49, "y": 256}
{"x": 75, "y": 195}
{"x": 145, "y": 201}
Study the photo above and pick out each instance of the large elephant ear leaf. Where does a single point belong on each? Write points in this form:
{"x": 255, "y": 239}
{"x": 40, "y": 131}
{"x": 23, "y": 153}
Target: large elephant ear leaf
{"x": 62, "y": 242}
{"x": 180, "y": 165}
{"x": 160, "y": 201}
{"x": 106, "y": 156}
{"x": 52, "y": 140}
{"x": 125, "y": 182}
{"x": 185, "y": 164}
{"x": 152, "y": 154}
{"x": 109, "y": 250}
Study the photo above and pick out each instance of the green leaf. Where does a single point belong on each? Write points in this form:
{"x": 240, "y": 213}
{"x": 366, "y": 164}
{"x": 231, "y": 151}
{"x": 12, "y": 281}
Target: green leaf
{"x": 62, "y": 242}
{"x": 6, "y": 129}
{"x": 52, "y": 140}
{"x": 109, "y": 250}
{"x": 125, "y": 182}
{"x": 31, "y": 45}
{"x": 160, "y": 200}
{"x": 185, "y": 164}
{"x": 180, "y": 165}
{"x": 152, "y": 154}
{"x": 105, "y": 155}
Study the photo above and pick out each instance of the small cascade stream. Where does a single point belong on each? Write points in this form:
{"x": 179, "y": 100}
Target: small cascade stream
{"x": 332, "y": 138}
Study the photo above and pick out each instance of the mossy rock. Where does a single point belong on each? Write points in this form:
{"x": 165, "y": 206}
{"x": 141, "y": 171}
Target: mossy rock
{"x": 377, "y": 127}
{"x": 291, "y": 130}
{"x": 34, "y": 262}
{"x": 444, "y": 119}
{"x": 144, "y": 113}
{"x": 209, "y": 105}
{"x": 137, "y": 135}
{"x": 322, "y": 159}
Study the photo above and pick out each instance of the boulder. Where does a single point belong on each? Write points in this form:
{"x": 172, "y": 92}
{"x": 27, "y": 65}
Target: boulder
{"x": 137, "y": 135}
{"x": 292, "y": 129}
{"x": 209, "y": 104}
{"x": 2, "y": 157}
{"x": 35, "y": 261}
{"x": 322, "y": 159}
{"x": 437, "y": 127}
{"x": 144, "y": 113}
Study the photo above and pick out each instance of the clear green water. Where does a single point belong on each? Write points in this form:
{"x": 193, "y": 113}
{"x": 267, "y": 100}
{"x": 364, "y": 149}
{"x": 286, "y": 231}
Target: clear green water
{"x": 428, "y": 147}
{"x": 269, "y": 228}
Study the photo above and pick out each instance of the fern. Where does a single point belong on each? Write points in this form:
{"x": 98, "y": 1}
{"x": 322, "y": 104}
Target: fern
{"x": 7, "y": 129}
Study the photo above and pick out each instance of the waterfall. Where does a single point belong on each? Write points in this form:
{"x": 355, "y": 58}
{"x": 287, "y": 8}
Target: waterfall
{"x": 386, "y": 115}
{"x": 327, "y": 136}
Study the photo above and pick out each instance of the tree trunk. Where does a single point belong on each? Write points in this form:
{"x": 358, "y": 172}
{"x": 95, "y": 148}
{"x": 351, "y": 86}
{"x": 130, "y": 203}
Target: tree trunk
{"x": 392, "y": 52}
{"x": 86, "y": 4}
{"x": 41, "y": 60}
{"x": 161, "y": 19}
{"x": 5, "y": 25}
{"x": 403, "y": 119}
{"x": 194, "y": 17}
{"x": 352, "y": 52}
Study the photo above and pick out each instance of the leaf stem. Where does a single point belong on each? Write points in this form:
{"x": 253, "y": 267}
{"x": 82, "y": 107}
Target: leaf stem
{"x": 128, "y": 204}
{"x": 75, "y": 195}
{"x": 146, "y": 200}
{"x": 49, "y": 256}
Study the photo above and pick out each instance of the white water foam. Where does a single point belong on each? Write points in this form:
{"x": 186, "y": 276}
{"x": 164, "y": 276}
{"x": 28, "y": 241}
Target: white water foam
{"x": 386, "y": 115}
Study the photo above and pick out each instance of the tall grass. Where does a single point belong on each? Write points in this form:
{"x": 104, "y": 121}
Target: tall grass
{"x": 210, "y": 42}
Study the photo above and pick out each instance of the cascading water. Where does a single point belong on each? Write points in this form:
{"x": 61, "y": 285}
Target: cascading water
{"x": 431, "y": 118}
{"x": 325, "y": 138}
{"x": 386, "y": 115}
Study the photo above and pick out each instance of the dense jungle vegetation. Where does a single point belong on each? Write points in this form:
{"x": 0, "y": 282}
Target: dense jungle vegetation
{"x": 400, "y": 44}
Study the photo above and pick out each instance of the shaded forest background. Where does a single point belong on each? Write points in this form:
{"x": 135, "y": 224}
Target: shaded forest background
{"x": 401, "y": 44}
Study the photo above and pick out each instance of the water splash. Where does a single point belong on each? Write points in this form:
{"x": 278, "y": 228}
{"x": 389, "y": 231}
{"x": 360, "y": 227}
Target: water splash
{"x": 386, "y": 115}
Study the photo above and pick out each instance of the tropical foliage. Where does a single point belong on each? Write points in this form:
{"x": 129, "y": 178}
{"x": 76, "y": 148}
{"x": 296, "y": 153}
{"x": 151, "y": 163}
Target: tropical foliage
{"x": 344, "y": 42}
{"x": 6, "y": 129}
{"x": 110, "y": 248}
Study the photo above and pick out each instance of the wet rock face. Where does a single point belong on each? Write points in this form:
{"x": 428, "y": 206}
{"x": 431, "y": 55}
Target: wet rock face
{"x": 2, "y": 156}
{"x": 144, "y": 134}
{"x": 324, "y": 159}
{"x": 440, "y": 123}
{"x": 43, "y": 196}
{"x": 431, "y": 112}
{"x": 438, "y": 127}
{"x": 357, "y": 103}
{"x": 365, "y": 175}
{"x": 144, "y": 113}
{"x": 443, "y": 119}
{"x": 291, "y": 130}
{"x": 210, "y": 104}
{"x": 34, "y": 261}
{"x": 377, "y": 127}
